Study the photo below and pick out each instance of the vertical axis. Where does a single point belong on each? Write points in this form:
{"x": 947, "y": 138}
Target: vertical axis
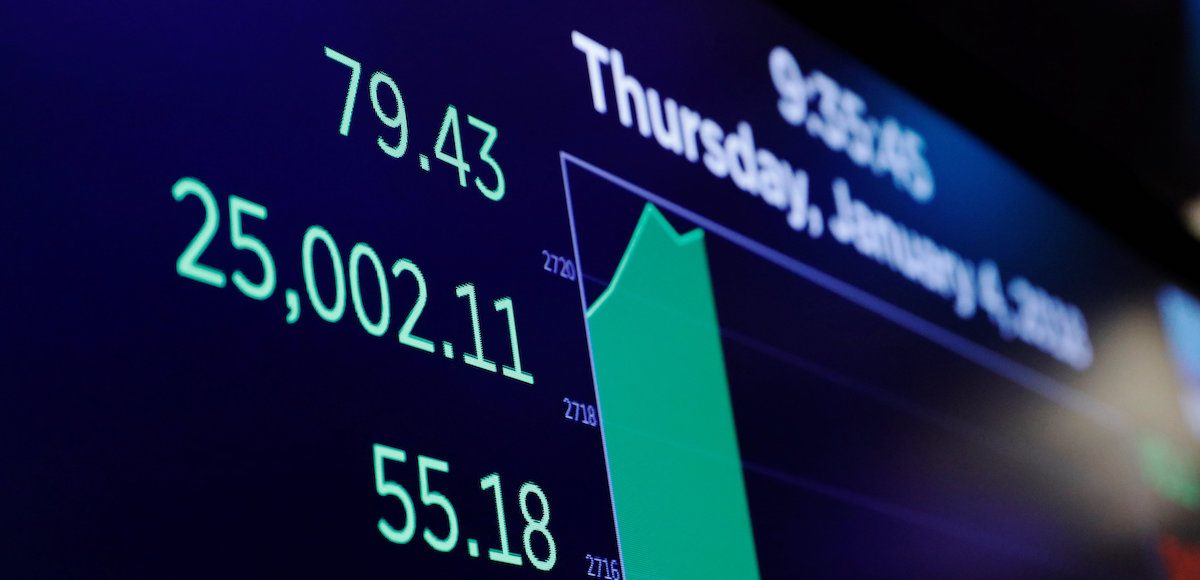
{"x": 562, "y": 160}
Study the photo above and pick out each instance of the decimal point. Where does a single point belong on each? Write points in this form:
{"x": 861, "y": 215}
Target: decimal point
{"x": 447, "y": 349}
{"x": 424, "y": 161}
{"x": 473, "y": 548}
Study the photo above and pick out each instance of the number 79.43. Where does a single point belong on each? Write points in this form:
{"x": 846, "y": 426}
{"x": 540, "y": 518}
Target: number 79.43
{"x": 491, "y": 188}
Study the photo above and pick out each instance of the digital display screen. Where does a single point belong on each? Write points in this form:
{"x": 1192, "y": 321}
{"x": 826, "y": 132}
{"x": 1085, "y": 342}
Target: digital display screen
{"x": 632, "y": 290}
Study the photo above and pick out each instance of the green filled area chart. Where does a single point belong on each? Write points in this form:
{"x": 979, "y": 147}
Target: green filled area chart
{"x": 671, "y": 444}
{"x": 745, "y": 394}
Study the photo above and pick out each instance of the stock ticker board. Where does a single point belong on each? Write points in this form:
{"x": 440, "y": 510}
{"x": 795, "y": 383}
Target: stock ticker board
{"x": 633, "y": 290}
